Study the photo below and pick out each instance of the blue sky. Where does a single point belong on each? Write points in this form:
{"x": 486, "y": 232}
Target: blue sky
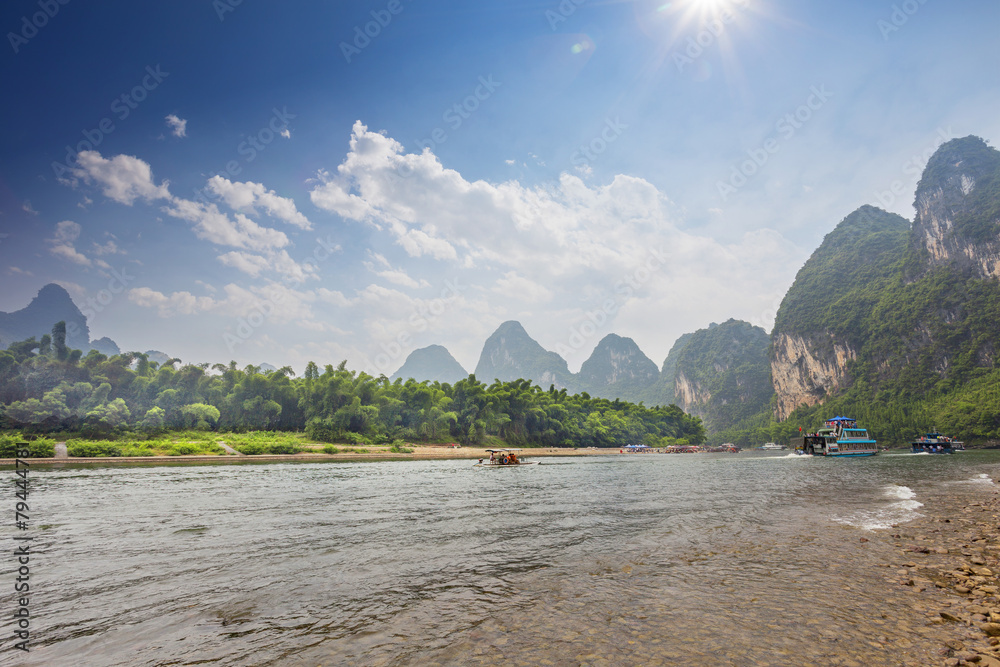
{"x": 266, "y": 182}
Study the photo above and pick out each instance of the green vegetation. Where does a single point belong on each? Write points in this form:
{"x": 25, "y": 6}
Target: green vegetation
{"x": 925, "y": 333}
{"x": 38, "y": 448}
{"x": 398, "y": 448}
{"x": 727, "y": 361}
{"x": 126, "y": 403}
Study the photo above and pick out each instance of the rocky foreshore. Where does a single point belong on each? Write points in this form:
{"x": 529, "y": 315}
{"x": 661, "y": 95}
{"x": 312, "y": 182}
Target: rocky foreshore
{"x": 950, "y": 558}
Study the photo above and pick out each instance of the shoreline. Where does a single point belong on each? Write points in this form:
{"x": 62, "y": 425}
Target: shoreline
{"x": 949, "y": 561}
{"x": 420, "y": 453}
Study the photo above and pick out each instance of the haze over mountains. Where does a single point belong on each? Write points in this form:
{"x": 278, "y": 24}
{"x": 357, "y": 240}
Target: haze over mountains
{"x": 888, "y": 319}
{"x": 894, "y": 321}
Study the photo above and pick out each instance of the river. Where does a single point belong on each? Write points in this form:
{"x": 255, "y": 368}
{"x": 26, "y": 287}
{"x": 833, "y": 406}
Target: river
{"x": 748, "y": 559}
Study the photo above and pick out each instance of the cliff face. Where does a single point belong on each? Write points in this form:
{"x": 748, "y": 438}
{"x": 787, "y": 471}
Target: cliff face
{"x": 957, "y": 220}
{"x": 806, "y": 371}
{"x": 820, "y": 326}
{"x": 882, "y": 307}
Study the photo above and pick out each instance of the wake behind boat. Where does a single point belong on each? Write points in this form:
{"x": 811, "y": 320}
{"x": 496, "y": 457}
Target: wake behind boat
{"x": 503, "y": 458}
{"x": 840, "y": 436}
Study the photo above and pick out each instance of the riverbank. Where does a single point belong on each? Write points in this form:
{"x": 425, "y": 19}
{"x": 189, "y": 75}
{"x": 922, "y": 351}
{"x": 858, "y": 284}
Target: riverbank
{"x": 949, "y": 558}
{"x": 373, "y": 453}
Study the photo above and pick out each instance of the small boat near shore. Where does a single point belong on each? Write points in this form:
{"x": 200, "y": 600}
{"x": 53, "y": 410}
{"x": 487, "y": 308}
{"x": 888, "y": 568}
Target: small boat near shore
{"x": 772, "y": 447}
{"x": 503, "y": 458}
{"x": 840, "y": 436}
{"x": 936, "y": 443}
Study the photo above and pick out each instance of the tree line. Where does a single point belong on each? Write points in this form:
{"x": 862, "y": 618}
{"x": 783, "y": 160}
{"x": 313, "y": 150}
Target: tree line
{"x": 46, "y": 387}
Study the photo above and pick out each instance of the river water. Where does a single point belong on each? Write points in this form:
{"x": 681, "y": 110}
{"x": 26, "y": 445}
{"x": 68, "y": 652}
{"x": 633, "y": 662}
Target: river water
{"x": 749, "y": 559}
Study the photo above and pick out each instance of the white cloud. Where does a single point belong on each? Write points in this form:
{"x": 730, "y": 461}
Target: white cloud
{"x": 13, "y": 270}
{"x": 246, "y": 262}
{"x": 286, "y": 133}
{"x": 242, "y": 196}
{"x": 569, "y": 245}
{"x": 109, "y": 248}
{"x": 511, "y": 283}
{"x": 62, "y": 243}
{"x": 27, "y": 208}
{"x": 215, "y": 226}
{"x": 178, "y": 303}
{"x": 177, "y": 125}
{"x": 278, "y": 261}
{"x": 125, "y": 178}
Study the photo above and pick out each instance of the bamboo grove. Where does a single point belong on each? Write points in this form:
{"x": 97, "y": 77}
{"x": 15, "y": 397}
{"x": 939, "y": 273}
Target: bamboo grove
{"x": 45, "y": 388}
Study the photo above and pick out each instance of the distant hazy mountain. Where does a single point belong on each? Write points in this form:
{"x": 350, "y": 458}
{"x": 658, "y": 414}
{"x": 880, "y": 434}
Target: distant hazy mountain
{"x": 511, "y": 354}
{"x": 157, "y": 356}
{"x": 617, "y": 368}
{"x": 105, "y": 346}
{"x": 433, "y": 363}
{"x": 53, "y": 304}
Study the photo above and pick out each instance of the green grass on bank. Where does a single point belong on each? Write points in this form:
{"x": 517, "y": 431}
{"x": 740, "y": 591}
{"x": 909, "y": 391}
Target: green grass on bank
{"x": 188, "y": 443}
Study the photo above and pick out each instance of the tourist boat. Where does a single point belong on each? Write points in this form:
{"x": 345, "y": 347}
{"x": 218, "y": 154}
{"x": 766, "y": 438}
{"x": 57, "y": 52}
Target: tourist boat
{"x": 771, "y": 446}
{"x": 504, "y": 458}
{"x": 936, "y": 443}
{"x": 724, "y": 448}
{"x": 839, "y": 436}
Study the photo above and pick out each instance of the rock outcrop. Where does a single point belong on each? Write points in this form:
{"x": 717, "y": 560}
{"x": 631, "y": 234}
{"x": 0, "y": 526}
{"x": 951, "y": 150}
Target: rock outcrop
{"x": 957, "y": 221}
{"x": 805, "y": 371}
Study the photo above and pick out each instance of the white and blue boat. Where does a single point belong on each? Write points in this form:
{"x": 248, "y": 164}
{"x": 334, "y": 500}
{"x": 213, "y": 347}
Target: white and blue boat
{"x": 840, "y": 436}
{"x": 936, "y": 443}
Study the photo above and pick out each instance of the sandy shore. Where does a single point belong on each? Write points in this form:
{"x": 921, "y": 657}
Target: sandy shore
{"x": 420, "y": 453}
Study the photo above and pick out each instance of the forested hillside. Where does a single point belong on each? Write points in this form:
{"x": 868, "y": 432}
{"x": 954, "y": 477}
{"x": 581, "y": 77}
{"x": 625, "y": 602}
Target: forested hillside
{"x": 896, "y": 325}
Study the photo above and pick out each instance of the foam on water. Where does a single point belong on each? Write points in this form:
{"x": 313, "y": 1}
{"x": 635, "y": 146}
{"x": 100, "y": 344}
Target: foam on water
{"x": 901, "y": 492}
{"x": 901, "y": 509}
{"x": 983, "y": 479}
